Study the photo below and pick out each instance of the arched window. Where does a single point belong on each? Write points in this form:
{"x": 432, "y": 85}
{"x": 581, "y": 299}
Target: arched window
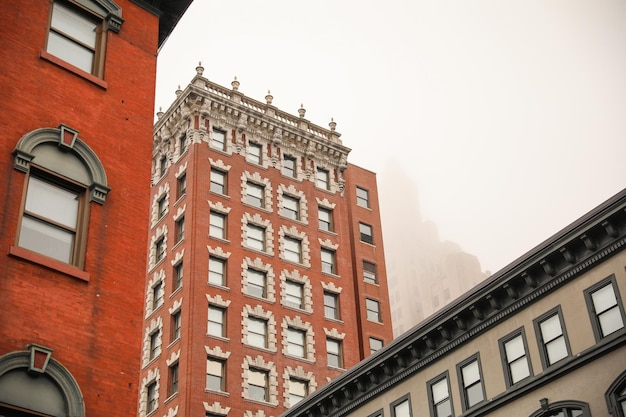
{"x": 562, "y": 409}
{"x": 616, "y": 396}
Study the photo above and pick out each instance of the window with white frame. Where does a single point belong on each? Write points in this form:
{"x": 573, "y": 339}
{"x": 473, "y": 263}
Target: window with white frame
{"x": 605, "y": 308}
{"x": 291, "y": 207}
{"x": 325, "y": 219}
{"x": 218, "y": 139}
{"x": 216, "y": 323}
{"x": 257, "y": 283}
{"x": 255, "y": 194}
{"x": 294, "y": 292}
{"x": 334, "y": 353}
{"x": 217, "y": 225}
{"x": 255, "y": 152}
{"x": 296, "y": 342}
{"x": 298, "y": 390}
{"x": 218, "y": 181}
{"x": 255, "y": 237}
{"x": 289, "y": 166}
{"x": 328, "y": 261}
{"x": 322, "y": 179}
{"x": 217, "y": 271}
{"x": 257, "y": 332}
{"x": 215, "y": 374}
{"x": 331, "y": 305}
{"x": 293, "y": 249}
{"x": 258, "y": 384}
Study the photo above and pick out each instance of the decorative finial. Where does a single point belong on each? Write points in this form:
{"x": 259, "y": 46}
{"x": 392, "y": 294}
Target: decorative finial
{"x": 199, "y": 69}
{"x": 301, "y": 110}
{"x": 160, "y": 113}
{"x": 269, "y": 98}
{"x": 179, "y": 91}
{"x": 332, "y": 124}
{"x": 235, "y": 84}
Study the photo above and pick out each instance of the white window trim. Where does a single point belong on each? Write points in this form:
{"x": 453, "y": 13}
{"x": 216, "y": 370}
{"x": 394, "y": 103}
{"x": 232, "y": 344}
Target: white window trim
{"x": 152, "y": 377}
{"x": 163, "y": 192}
{"x": 294, "y": 276}
{"x": 263, "y": 182}
{"x": 258, "y": 265}
{"x": 257, "y": 220}
{"x": 258, "y": 312}
{"x": 294, "y": 193}
{"x": 156, "y": 325}
{"x": 270, "y": 368}
{"x": 297, "y": 373}
{"x": 307, "y": 328}
{"x": 305, "y": 247}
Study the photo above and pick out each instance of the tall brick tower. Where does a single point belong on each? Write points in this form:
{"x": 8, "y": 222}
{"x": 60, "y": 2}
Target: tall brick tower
{"x": 266, "y": 274}
{"x": 76, "y": 115}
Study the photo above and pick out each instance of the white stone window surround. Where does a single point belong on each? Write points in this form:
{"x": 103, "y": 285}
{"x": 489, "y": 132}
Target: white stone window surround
{"x": 172, "y": 412}
{"x": 161, "y": 232}
{"x": 295, "y": 276}
{"x": 297, "y": 373}
{"x": 258, "y": 264}
{"x": 152, "y": 377}
{"x": 333, "y": 187}
{"x": 174, "y": 357}
{"x": 334, "y": 333}
{"x": 298, "y": 324}
{"x": 163, "y": 192}
{"x": 270, "y": 368}
{"x": 157, "y": 175}
{"x": 178, "y": 258}
{"x": 156, "y": 325}
{"x": 300, "y": 195}
{"x": 179, "y": 213}
{"x": 216, "y": 408}
{"x": 257, "y": 179}
{"x": 302, "y": 237}
{"x": 268, "y": 316}
{"x": 257, "y": 220}
{"x": 157, "y": 278}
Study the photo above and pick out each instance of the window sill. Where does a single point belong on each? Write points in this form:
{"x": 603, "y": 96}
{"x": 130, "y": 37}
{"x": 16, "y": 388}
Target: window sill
{"x": 171, "y": 397}
{"x": 173, "y": 342}
{"x": 338, "y": 321}
{"x": 71, "y": 68}
{"x": 226, "y": 196}
{"x": 299, "y": 358}
{"x": 49, "y": 263}
{"x": 331, "y": 274}
{"x": 222, "y": 338}
{"x": 330, "y": 232}
{"x": 299, "y": 310}
{"x": 222, "y": 393}
{"x": 262, "y": 252}
{"x": 265, "y": 403}
{"x": 221, "y": 287}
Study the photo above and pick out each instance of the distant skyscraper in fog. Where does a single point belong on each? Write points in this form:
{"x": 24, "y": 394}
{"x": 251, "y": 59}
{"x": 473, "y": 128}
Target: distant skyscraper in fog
{"x": 423, "y": 273}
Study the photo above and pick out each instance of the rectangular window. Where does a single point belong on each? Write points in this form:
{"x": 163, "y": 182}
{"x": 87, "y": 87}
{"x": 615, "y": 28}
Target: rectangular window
{"x": 155, "y": 345}
{"x": 172, "y": 387}
{"x": 178, "y": 276}
{"x": 257, "y": 283}
{"x": 216, "y": 321}
{"x": 289, "y": 166}
{"x": 255, "y": 238}
{"x": 325, "y": 218}
{"x": 255, "y": 152}
{"x": 605, "y": 308}
{"x": 333, "y": 349}
{"x": 375, "y": 345}
{"x": 218, "y": 139}
{"x": 258, "y": 384}
{"x": 401, "y": 407}
{"x": 296, "y": 342}
{"x": 328, "y": 261}
{"x": 369, "y": 272}
{"x": 158, "y": 293}
{"x": 75, "y": 38}
{"x": 215, "y": 374}
{"x": 362, "y": 197}
{"x": 159, "y": 247}
{"x": 515, "y": 359}
{"x": 470, "y": 382}
{"x": 181, "y": 186}
{"x": 218, "y": 181}
{"x": 183, "y": 143}
{"x": 439, "y": 396}
{"x": 257, "y": 332}
{"x": 217, "y": 227}
{"x": 163, "y": 166}
{"x": 331, "y": 305}
{"x": 291, "y": 207}
{"x": 551, "y": 336}
{"x": 373, "y": 310}
{"x": 366, "y": 233}
{"x": 298, "y": 390}
{"x": 217, "y": 271}
{"x": 322, "y": 179}
{"x": 162, "y": 206}
{"x": 152, "y": 396}
{"x": 293, "y": 294}
{"x": 255, "y": 194}
{"x": 180, "y": 229}
{"x": 176, "y": 321}
{"x": 293, "y": 249}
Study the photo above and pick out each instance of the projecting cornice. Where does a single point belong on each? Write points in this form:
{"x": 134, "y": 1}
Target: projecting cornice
{"x": 576, "y": 249}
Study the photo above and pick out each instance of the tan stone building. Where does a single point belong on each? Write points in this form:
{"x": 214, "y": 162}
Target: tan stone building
{"x": 545, "y": 336}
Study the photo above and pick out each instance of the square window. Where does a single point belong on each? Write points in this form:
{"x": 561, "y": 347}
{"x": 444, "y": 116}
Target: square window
{"x": 218, "y": 181}
{"x": 257, "y": 332}
{"x": 362, "y": 197}
{"x": 325, "y": 218}
{"x": 217, "y": 227}
{"x": 334, "y": 354}
{"x": 331, "y": 305}
{"x": 255, "y": 194}
{"x": 551, "y": 336}
{"x": 605, "y": 308}
{"x": 52, "y": 220}
{"x": 255, "y": 152}
{"x": 176, "y": 320}
{"x": 289, "y": 166}
{"x": 152, "y": 396}
{"x": 162, "y": 207}
{"x": 293, "y": 249}
{"x": 218, "y": 139}
{"x": 369, "y": 272}
{"x": 515, "y": 359}
{"x": 216, "y": 321}
{"x": 172, "y": 386}
{"x": 291, "y": 207}
{"x": 373, "y": 310}
{"x": 75, "y": 37}
{"x": 181, "y": 186}
{"x": 215, "y": 374}
{"x": 158, "y": 293}
{"x": 180, "y": 229}
{"x": 257, "y": 283}
{"x": 178, "y": 275}
{"x": 470, "y": 381}
{"x": 439, "y": 396}
{"x": 366, "y": 233}
{"x": 298, "y": 390}
{"x": 255, "y": 237}
{"x": 293, "y": 294}
{"x": 375, "y": 345}
{"x": 258, "y": 384}
{"x": 401, "y": 407}
{"x": 217, "y": 271}
{"x": 322, "y": 179}
{"x": 328, "y": 261}
{"x": 296, "y": 342}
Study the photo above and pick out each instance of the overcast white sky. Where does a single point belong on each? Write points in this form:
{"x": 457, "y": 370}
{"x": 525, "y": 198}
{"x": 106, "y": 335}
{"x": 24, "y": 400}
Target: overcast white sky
{"x": 510, "y": 116}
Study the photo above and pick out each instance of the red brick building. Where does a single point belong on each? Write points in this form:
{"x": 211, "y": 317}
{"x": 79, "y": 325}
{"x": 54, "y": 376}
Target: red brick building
{"x": 266, "y": 273}
{"x": 76, "y": 121}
